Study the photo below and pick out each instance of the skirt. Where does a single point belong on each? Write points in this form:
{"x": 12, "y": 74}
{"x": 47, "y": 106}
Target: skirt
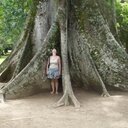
{"x": 53, "y": 73}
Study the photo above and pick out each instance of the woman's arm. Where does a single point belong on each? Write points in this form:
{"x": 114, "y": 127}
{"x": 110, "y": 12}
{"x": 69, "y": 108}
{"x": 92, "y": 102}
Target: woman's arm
{"x": 48, "y": 62}
{"x": 59, "y": 64}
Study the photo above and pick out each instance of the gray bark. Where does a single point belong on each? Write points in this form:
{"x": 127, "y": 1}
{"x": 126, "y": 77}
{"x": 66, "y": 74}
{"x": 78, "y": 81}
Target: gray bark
{"x": 109, "y": 57}
{"x": 68, "y": 92}
{"x": 28, "y": 80}
{"x": 91, "y": 56}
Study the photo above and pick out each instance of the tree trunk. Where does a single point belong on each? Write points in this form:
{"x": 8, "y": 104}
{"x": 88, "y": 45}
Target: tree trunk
{"x": 91, "y": 56}
{"x": 63, "y": 23}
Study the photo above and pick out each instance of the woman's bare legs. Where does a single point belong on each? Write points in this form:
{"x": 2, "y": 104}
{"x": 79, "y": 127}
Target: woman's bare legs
{"x": 56, "y": 85}
{"x": 53, "y": 86}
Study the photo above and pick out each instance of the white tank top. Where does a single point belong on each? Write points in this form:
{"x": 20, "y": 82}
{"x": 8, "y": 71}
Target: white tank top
{"x": 53, "y": 62}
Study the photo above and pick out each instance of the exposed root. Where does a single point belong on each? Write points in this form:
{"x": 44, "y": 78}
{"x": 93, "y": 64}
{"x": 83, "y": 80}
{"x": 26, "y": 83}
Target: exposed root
{"x": 75, "y": 101}
{"x": 105, "y": 94}
{"x": 24, "y": 80}
{"x": 2, "y": 98}
{"x": 23, "y": 84}
{"x": 18, "y": 45}
{"x": 7, "y": 73}
{"x": 64, "y": 101}
{"x": 18, "y": 66}
{"x": 68, "y": 92}
{"x": 61, "y": 101}
{"x": 83, "y": 53}
{"x": 104, "y": 90}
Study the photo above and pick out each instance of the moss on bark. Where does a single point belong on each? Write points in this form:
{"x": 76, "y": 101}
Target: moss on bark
{"x": 90, "y": 53}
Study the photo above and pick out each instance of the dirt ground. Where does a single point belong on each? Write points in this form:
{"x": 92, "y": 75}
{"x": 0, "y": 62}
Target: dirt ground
{"x": 95, "y": 112}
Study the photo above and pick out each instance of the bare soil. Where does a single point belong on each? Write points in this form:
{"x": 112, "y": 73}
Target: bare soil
{"x": 37, "y": 111}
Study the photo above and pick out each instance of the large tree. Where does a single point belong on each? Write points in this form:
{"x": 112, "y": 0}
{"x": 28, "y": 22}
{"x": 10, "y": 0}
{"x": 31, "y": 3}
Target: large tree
{"x": 83, "y": 32}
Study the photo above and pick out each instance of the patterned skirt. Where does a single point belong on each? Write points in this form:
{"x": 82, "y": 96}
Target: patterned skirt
{"x": 53, "y": 73}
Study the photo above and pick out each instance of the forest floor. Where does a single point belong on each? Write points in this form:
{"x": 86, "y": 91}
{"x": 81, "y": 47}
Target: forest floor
{"x": 37, "y": 111}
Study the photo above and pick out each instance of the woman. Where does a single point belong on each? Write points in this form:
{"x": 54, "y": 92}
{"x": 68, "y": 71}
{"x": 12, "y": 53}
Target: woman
{"x": 54, "y": 70}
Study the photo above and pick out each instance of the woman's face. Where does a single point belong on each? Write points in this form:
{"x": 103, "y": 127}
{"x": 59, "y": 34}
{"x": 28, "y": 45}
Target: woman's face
{"x": 54, "y": 51}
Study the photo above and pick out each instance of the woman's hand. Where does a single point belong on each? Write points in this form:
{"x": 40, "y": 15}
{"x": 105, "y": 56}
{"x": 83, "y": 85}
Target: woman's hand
{"x": 59, "y": 73}
{"x": 46, "y": 72}
{"x": 47, "y": 66}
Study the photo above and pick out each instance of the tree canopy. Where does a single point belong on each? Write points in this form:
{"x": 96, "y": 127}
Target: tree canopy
{"x": 13, "y": 14}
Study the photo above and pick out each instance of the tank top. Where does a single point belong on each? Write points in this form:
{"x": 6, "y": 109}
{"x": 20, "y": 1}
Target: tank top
{"x": 53, "y": 62}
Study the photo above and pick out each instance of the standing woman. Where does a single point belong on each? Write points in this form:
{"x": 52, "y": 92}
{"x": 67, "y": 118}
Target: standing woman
{"x": 53, "y": 70}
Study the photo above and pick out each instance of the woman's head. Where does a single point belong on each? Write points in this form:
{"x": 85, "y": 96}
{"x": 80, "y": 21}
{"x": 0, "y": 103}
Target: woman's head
{"x": 54, "y": 51}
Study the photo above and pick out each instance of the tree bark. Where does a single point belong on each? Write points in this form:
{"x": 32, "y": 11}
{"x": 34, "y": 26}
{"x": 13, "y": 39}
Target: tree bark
{"x": 25, "y": 83}
{"x": 63, "y": 23}
{"x": 109, "y": 57}
{"x": 91, "y": 56}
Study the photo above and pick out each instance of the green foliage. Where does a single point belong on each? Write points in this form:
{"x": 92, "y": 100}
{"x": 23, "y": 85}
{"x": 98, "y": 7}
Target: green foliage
{"x": 2, "y": 58}
{"x": 12, "y": 17}
{"x": 122, "y": 21}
